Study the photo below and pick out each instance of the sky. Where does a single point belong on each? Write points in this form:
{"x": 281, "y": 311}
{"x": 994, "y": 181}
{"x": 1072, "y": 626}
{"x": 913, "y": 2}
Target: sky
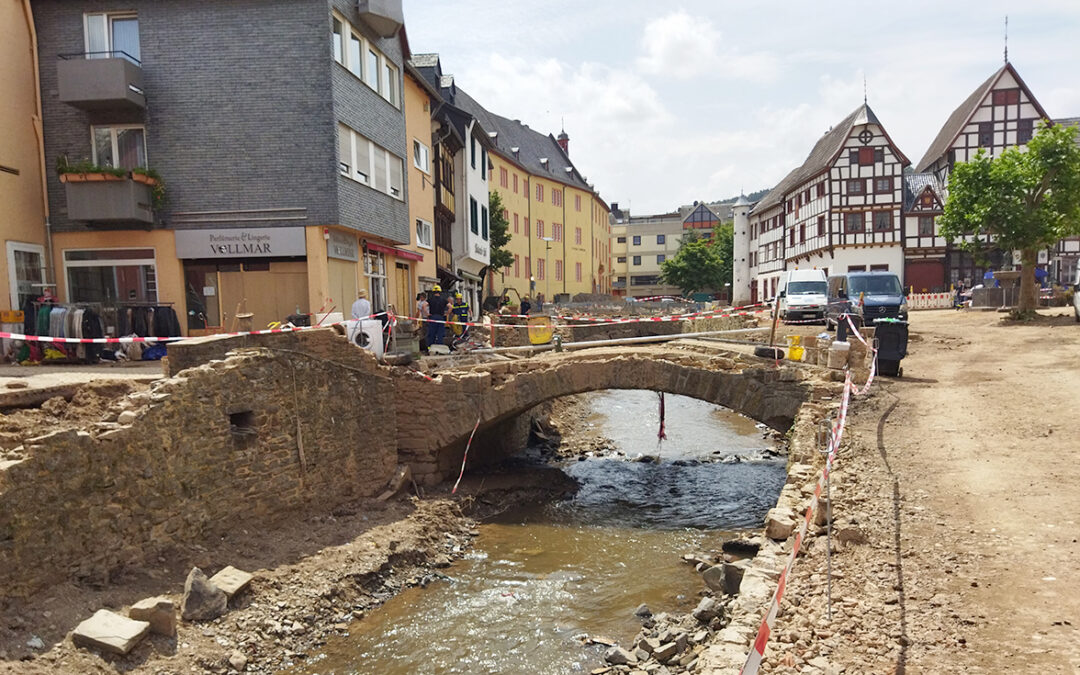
{"x": 666, "y": 103}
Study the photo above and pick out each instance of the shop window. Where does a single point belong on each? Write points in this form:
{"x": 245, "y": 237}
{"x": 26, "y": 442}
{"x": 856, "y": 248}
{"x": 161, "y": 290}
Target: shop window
{"x": 256, "y": 265}
{"x": 111, "y": 275}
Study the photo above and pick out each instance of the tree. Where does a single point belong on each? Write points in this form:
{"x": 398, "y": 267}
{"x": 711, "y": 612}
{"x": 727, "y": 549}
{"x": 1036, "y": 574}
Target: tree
{"x": 723, "y": 238}
{"x": 1024, "y": 200}
{"x": 698, "y": 266}
{"x": 499, "y": 233}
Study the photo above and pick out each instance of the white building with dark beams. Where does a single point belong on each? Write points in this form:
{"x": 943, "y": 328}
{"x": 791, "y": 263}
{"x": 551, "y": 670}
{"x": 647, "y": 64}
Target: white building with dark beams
{"x": 1001, "y": 113}
{"x": 839, "y": 211}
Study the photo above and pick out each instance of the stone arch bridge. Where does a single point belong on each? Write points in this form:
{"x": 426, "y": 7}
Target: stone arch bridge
{"x": 435, "y": 418}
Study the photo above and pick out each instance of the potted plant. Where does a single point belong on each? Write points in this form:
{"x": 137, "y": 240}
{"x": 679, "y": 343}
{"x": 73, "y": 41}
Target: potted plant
{"x": 153, "y": 179}
{"x": 86, "y": 171}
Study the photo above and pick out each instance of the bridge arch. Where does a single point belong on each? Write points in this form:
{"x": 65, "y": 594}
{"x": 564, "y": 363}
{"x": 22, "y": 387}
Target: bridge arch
{"x": 435, "y": 418}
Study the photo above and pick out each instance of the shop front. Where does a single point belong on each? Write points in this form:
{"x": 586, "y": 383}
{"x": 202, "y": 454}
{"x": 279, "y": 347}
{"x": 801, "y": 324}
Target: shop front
{"x": 233, "y": 272}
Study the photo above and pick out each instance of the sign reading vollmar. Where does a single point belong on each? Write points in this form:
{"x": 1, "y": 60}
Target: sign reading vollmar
{"x": 241, "y": 242}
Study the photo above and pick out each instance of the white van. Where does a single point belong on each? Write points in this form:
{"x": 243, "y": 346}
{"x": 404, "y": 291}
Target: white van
{"x": 803, "y": 295}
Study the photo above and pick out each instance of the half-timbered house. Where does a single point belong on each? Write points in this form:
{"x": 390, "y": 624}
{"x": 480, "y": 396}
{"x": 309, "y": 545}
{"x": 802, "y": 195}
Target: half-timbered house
{"x": 839, "y": 211}
{"x": 924, "y": 248}
{"x": 1001, "y": 113}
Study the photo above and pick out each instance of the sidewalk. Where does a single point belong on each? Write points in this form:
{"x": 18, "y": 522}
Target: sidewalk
{"x": 23, "y": 386}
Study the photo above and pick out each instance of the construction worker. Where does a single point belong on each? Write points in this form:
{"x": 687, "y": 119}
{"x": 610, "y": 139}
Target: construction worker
{"x": 438, "y": 307}
{"x": 459, "y": 313}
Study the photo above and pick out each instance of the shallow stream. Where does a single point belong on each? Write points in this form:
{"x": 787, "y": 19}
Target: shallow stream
{"x": 540, "y": 577}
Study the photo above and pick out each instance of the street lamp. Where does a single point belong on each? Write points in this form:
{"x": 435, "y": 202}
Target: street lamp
{"x": 547, "y": 264}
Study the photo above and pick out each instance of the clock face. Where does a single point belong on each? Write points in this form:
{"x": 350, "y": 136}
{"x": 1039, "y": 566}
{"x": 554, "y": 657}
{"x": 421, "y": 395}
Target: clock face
{"x": 865, "y": 136}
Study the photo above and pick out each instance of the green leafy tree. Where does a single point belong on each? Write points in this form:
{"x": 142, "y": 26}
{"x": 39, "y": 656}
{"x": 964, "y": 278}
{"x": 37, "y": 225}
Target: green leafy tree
{"x": 1023, "y": 200}
{"x": 499, "y": 233}
{"x": 723, "y": 239}
{"x": 697, "y": 266}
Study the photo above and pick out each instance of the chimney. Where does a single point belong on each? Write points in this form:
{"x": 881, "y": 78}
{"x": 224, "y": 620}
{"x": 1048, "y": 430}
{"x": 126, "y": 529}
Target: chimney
{"x": 564, "y": 142}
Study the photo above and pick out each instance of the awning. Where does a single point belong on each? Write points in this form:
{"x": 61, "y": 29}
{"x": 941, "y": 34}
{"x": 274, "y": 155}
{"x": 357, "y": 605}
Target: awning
{"x": 399, "y": 252}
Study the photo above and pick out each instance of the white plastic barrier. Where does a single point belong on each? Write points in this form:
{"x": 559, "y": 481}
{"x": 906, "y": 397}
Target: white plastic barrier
{"x": 930, "y": 300}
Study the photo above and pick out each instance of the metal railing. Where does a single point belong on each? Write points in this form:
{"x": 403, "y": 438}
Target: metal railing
{"x": 113, "y": 54}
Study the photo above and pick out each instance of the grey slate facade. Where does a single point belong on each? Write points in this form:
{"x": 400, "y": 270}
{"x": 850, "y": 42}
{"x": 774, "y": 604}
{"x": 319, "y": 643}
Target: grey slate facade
{"x": 243, "y": 98}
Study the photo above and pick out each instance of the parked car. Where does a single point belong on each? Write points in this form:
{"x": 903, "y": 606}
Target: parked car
{"x": 866, "y": 296}
{"x": 803, "y": 294}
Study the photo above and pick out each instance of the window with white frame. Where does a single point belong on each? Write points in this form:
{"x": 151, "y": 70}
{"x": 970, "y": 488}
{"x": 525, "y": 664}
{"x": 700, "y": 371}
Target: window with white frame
{"x": 375, "y": 271}
{"x": 26, "y": 272}
{"x": 363, "y": 161}
{"x": 424, "y": 238}
{"x": 364, "y": 60}
{"x": 119, "y": 146}
{"x": 421, "y": 156}
{"x": 112, "y": 35}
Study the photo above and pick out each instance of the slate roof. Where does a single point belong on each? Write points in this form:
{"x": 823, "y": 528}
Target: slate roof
{"x": 915, "y": 183}
{"x": 1070, "y": 122}
{"x": 820, "y": 156}
{"x": 956, "y": 122}
{"x": 532, "y": 145}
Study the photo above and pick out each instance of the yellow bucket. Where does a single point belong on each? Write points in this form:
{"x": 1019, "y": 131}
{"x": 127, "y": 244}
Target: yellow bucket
{"x": 795, "y": 351}
{"x": 540, "y": 330}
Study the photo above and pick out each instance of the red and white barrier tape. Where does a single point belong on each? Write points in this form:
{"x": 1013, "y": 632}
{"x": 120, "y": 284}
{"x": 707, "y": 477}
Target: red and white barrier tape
{"x": 716, "y": 314}
{"x": 757, "y": 651}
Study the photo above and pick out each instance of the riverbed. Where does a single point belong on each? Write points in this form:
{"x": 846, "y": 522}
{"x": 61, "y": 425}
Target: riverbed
{"x": 540, "y": 578}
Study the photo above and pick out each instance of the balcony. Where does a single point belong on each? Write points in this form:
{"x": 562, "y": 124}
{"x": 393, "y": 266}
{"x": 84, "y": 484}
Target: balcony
{"x": 444, "y": 258}
{"x": 114, "y": 83}
{"x": 107, "y": 199}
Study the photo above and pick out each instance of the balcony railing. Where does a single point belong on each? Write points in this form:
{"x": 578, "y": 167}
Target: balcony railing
{"x": 101, "y": 81}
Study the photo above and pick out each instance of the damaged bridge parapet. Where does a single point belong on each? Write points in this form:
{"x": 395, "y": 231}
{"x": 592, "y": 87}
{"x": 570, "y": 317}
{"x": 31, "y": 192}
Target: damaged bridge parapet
{"x": 246, "y": 432}
{"x": 435, "y": 418}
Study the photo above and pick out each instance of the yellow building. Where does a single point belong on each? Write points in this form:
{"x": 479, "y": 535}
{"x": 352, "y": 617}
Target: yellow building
{"x": 419, "y": 98}
{"x": 559, "y": 229}
{"x": 22, "y": 203}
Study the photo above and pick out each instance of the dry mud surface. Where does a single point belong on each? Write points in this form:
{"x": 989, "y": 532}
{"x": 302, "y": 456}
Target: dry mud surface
{"x": 961, "y": 475}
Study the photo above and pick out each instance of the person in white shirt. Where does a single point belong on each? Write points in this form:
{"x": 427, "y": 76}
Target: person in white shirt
{"x": 361, "y": 309}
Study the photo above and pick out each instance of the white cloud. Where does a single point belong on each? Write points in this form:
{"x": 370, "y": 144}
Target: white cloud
{"x": 683, "y": 46}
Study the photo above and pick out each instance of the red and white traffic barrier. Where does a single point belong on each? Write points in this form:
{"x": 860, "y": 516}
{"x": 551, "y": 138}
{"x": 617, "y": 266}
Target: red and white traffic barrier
{"x": 930, "y": 300}
{"x": 757, "y": 650}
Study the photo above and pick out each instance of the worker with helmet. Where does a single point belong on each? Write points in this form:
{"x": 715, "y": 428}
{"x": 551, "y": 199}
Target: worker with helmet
{"x": 459, "y": 314}
{"x": 438, "y": 305}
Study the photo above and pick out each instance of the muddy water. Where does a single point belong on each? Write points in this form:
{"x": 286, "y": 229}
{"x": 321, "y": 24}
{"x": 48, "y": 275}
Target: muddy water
{"x": 541, "y": 577}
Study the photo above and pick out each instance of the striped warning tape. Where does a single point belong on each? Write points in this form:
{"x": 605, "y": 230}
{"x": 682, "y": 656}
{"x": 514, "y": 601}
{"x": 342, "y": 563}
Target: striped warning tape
{"x": 757, "y": 651}
{"x": 394, "y": 319}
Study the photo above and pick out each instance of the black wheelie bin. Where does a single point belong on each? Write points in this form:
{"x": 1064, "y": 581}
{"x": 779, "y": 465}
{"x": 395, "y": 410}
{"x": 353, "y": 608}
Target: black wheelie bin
{"x": 892, "y": 337}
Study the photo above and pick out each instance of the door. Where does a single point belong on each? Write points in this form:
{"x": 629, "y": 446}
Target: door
{"x": 343, "y": 287}
{"x": 925, "y": 276}
{"x": 403, "y": 288}
{"x": 26, "y": 272}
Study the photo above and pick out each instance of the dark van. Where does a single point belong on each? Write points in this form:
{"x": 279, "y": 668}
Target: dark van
{"x": 866, "y": 296}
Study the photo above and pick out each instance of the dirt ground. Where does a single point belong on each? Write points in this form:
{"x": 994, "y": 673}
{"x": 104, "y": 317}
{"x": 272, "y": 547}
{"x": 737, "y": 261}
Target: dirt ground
{"x": 962, "y": 477}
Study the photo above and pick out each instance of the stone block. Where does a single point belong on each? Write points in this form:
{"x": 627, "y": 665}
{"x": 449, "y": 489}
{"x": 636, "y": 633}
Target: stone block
{"x": 733, "y": 575}
{"x": 202, "y": 601}
{"x": 159, "y": 612}
{"x": 665, "y": 652}
{"x": 779, "y": 525}
{"x": 713, "y": 577}
{"x": 110, "y": 632}
{"x": 231, "y": 580}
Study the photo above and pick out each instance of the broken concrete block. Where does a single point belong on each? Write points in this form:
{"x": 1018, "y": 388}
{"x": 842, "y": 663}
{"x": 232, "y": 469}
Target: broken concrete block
{"x": 779, "y": 525}
{"x": 733, "y": 576}
{"x": 231, "y": 580}
{"x": 109, "y": 632}
{"x": 202, "y": 601}
{"x": 714, "y": 577}
{"x": 398, "y": 483}
{"x": 159, "y": 612}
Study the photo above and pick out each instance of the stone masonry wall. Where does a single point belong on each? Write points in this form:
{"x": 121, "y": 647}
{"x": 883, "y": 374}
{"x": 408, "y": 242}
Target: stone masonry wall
{"x": 435, "y": 417}
{"x": 244, "y": 440}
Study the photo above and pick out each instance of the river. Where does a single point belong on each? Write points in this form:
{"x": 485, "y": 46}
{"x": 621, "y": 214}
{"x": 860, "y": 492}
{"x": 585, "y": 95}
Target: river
{"x": 538, "y": 578}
